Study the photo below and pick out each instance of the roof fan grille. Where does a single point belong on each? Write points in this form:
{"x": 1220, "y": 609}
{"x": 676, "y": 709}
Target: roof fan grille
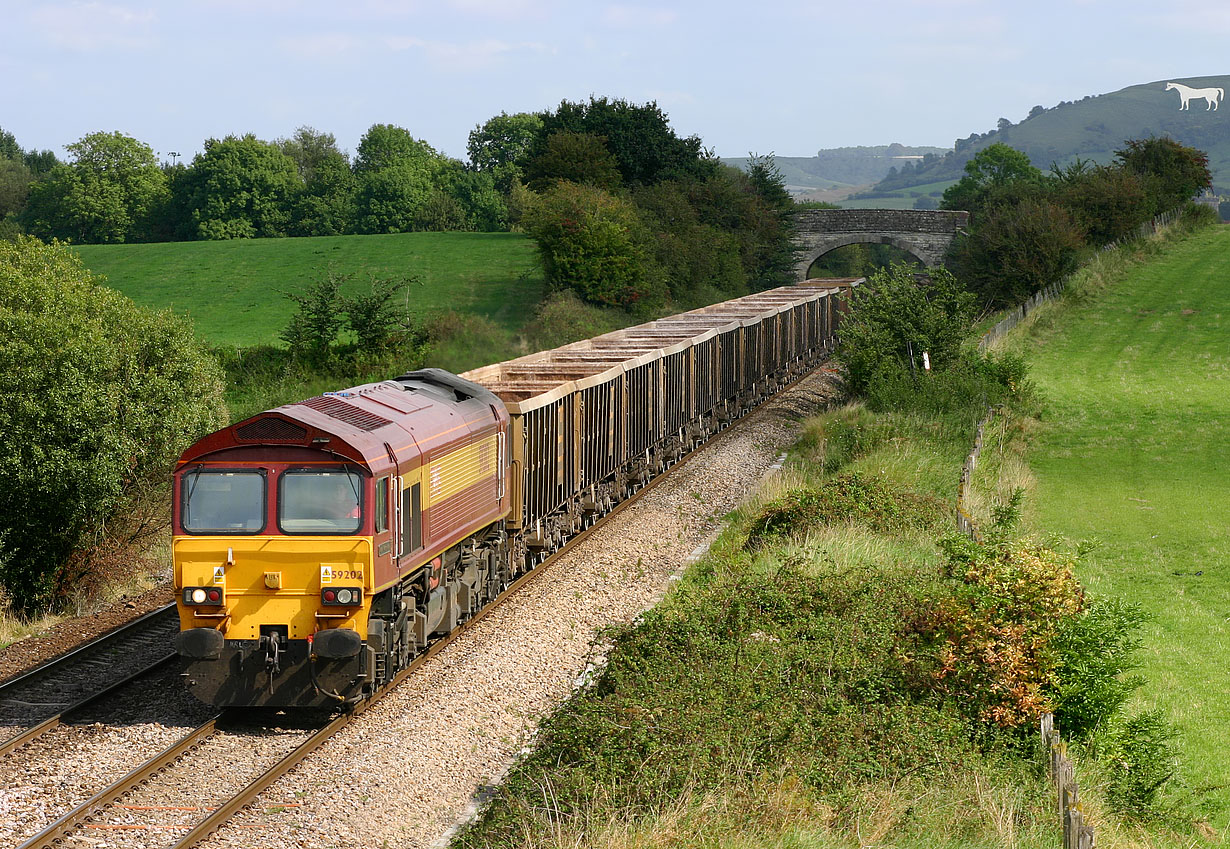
{"x": 342, "y": 411}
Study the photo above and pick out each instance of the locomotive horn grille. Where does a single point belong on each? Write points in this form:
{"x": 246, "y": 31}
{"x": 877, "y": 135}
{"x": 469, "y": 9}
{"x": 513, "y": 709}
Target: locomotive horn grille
{"x": 271, "y": 430}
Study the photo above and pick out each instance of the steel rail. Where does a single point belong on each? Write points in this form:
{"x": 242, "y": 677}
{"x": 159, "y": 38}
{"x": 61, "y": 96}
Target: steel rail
{"x": 54, "y": 835}
{"x": 92, "y": 645}
{"x": 52, "y": 722}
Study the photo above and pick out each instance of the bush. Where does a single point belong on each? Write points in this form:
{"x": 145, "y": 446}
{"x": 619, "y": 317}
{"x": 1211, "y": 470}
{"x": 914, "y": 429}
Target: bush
{"x": 562, "y": 318}
{"x": 1140, "y": 761}
{"x": 845, "y": 498}
{"x": 102, "y": 396}
{"x": 1017, "y": 249}
{"x": 593, "y": 243}
{"x": 1095, "y": 650}
{"x": 894, "y": 319}
{"x": 996, "y": 637}
{"x": 375, "y": 321}
{"x": 964, "y": 389}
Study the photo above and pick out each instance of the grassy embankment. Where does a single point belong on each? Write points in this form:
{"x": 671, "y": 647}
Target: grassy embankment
{"x": 760, "y": 704}
{"x": 774, "y": 698}
{"x": 1134, "y": 450}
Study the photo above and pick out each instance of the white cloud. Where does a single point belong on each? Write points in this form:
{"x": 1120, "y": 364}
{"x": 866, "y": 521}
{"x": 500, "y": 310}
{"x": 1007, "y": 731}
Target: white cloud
{"x": 317, "y": 46}
{"x": 638, "y": 17}
{"x": 94, "y": 26}
{"x": 472, "y": 56}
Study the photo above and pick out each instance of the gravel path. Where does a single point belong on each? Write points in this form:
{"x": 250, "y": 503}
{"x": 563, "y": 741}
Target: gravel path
{"x": 403, "y": 773}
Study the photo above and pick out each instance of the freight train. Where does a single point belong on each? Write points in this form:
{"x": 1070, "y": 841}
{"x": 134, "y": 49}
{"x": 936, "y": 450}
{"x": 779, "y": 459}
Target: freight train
{"x": 320, "y": 546}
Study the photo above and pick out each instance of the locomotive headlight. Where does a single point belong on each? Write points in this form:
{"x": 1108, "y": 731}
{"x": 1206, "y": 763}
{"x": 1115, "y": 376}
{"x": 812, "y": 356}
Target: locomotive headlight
{"x": 347, "y": 596}
{"x": 211, "y": 596}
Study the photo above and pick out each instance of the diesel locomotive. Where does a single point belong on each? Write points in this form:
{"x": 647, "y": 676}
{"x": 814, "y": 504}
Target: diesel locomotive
{"x": 320, "y": 546}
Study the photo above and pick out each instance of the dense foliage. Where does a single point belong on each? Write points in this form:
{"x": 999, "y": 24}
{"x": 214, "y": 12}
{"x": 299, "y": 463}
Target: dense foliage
{"x": 1028, "y": 229}
{"x": 698, "y": 231}
{"x": 896, "y": 319}
{"x": 101, "y": 398}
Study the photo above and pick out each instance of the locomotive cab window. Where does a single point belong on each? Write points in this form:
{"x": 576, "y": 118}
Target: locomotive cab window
{"x": 222, "y": 502}
{"x": 315, "y": 502}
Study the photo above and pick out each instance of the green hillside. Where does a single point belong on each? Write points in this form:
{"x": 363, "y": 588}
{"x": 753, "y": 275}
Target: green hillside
{"x": 843, "y": 166}
{"x": 232, "y": 289}
{"x": 1095, "y": 126}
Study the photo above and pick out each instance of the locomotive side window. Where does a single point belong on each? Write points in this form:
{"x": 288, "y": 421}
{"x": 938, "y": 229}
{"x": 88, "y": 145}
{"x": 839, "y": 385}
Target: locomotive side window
{"x": 382, "y": 505}
{"x": 411, "y": 519}
{"x": 218, "y": 502}
{"x": 311, "y": 502}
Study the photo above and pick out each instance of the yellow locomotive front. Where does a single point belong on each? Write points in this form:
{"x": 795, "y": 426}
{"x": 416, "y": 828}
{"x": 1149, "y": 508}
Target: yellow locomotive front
{"x": 274, "y": 572}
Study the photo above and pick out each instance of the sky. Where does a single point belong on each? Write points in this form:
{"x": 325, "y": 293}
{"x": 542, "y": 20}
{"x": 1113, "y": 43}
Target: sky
{"x": 767, "y": 76}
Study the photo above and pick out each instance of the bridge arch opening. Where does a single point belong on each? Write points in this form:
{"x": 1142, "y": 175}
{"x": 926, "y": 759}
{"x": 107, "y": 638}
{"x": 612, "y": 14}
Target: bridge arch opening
{"x": 859, "y": 256}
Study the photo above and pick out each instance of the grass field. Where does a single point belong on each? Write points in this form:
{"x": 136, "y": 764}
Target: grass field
{"x": 1135, "y": 451}
{"x": 231, "y": 289}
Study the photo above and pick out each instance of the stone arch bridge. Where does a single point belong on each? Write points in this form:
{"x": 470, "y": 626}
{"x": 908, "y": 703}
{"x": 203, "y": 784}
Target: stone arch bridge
{"x": 922, "y": 233}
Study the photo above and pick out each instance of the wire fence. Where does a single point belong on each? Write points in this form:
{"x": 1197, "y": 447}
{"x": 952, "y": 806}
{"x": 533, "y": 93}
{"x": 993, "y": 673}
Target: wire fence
{"x": 1077, "y": 834}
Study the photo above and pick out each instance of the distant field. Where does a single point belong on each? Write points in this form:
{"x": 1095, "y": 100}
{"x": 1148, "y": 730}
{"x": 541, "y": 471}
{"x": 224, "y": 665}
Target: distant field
{"x": 1135, "y": 451}
{"x": 900, "y": 199}
{"x": 232, "y": 290}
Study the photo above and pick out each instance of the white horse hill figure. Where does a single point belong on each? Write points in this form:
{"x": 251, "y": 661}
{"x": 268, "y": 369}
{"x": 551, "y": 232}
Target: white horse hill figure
{"x": 1187, "y": 94}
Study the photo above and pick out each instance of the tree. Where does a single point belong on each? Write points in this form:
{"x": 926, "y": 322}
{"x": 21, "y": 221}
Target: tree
{"x": 9, "y": 148}
{"x": 326, "y": 205}
{"x": 479, "y": 200}
{"x": 992, "y": 174}
{"x": 1108, "y": 202}
{"x": 106, "y": 194}
{"x": 309, "y": 148}
{"x": 102, "y": 397}
{"x": 645, "y": 148}
{"x": 593, "y": 242}
{"x": 775, "y": 225}
{"x": 15, "y": 180}
{"x": 240, "y": 187}
{"x": 893, "y": 314}
{"x": 389, "y": 200}
{"x": 1017, "y": 249}
{"x": 397, "y": 177}
{"x": 389, "y": 146}
{"x": 702, "y": 262}
{"x": 1178, "y": 172}
{"x": 501, "y": 144}
{"x": 581, "y": 158}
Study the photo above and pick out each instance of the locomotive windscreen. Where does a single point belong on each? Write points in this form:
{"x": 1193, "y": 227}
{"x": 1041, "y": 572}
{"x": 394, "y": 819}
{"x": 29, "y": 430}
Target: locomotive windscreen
{"x": 219, "y": 502}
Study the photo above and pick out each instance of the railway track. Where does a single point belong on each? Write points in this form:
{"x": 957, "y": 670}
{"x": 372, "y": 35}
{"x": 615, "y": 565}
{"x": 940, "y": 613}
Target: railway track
{"x": 37, "y": 701}
{"x": 118, "y": 807}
